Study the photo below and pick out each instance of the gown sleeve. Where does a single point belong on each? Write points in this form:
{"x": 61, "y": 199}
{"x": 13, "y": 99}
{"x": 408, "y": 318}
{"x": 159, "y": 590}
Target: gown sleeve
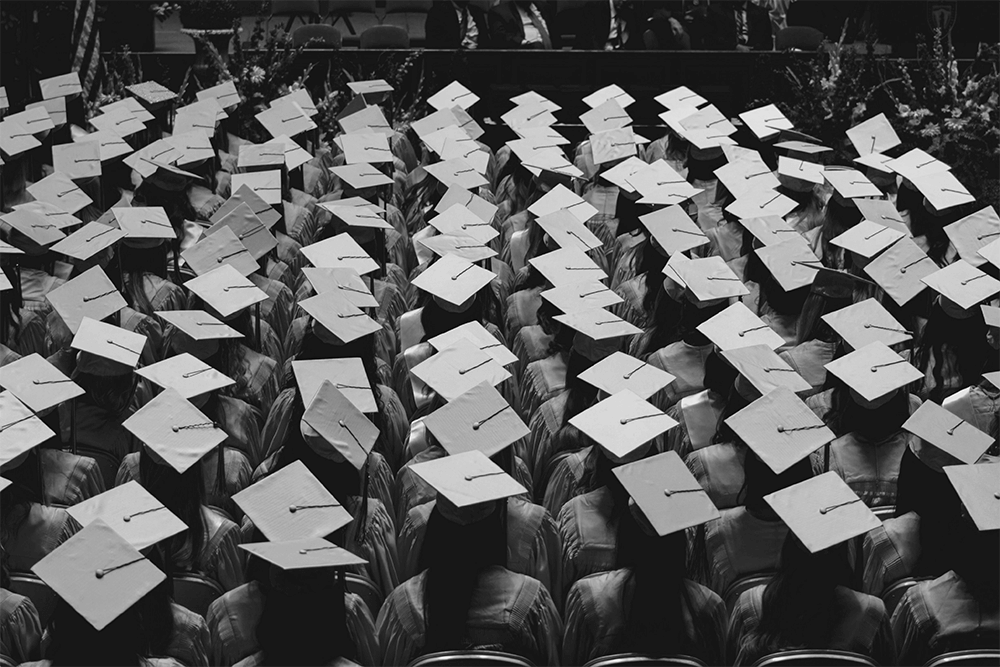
{"x": 544, "y": 628}
{"x": 578, "y": 636}
{"x": 361, "y": 628}
{"x": 225, "y": 563}
{"x": 21, "y": 636}
{"x": 397, "y": 642}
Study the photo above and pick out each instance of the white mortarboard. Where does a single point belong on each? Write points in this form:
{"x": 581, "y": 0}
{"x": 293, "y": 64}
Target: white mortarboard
{"x": 194, "y": 146}
{"x": 144, "y": 222}
{"x": 431, "y": 123}
{"x": 77, "y": 160}
{"x": 609, "y": 115}
{"x": 132, "y": 512}
{"x": 973, "y": 232}
{"x": 344, "y": 281}
{"x": 851, "y": 183}
{"x": 611, "y": 145}
{"x": 154, "y": 94}
{"x": 266, "y": 184}
{"x": 737, "y": 326}
{"x": 916, "y": 163}
{"x": 185, "y": 374}
{"x": 362, "y": 215}
{"x": 456, "y": 369}
{"x": 15, "y": 138}
{"x": 285, "y": 119}
{"x": 339, "y": 424}
{"x": 198, "y": 324}
{"x": 620, "y": 173}
{"x": 456, "y": 171}
{"x": 224, "y": 93}
{"x": 547, "y": 134}
{"x": 991, "y": 253}
{"x": 119, "y": 120}
{"x": 88, "y": 241}
{"x": 461, "y": 221}
{"x": 175, "y": 429}
{"x": 567, "y": 266}
{"x": 874, "y": 135}
{"x": 221, "y": 247}
{"x": 226, "y": 290}
{"x": 453, "y": 279}
{"x": 791, "y": 262}
{"x": 867, "y": 238}
{"x": 761, "y": 202}
{"x": 899, "y": 270}
{"x": 134, "y": 106}
{"x": 667, "y": 493}
{"x": 612, "y": 92}
{"x": 339, "y": 316}
{"x": 801, "y": 170}
{"x": 248, "y": 229}
{"x": 188, "y": 120}
{"x": 764, "y": 369}
{"x": 368, "y": 119}
{"x": 271, "y": 154}
{"x": 37, "y": 383}
{"x": 59, "y": 190}
{"x": 295, "y": 155}
{"x": 292, "y": 504}
{"x": 744, "y": 176}
{"x": 584, "y": 295}
{"x": 340, "y": 251}
{"x": 710, "y": 278}
{"x": 456, "y": 195}
{"x": 620, "y": 371}
{"x": 822, "y": 511}
{"x": 882, "y": 211}
{"x": 348, "y": 376}
{"x": 991, "y": 315}
{"x": 366, "y": 148}
{"x": 449, "y": 244}
{"x": 480, "y": 419}
{"x": 259, "y": 207}
{"x": 34, "y": 225}
{"x": 681, "y": 96}
{"x": 780, "y": 428}
{"x": 766, "y": 121}
{"x": 976, "y": 486}
{"x": 962, "y": 283}
{"x": 468, "y": 478}
{"x": 948, "y": 432}
{"x": 567, "y": 231}
{"x": 529, "y": 115}
{"x": 478, "y": 334}
{"x": 560, "y": 197}
{"x": 307, "y": 554}
{"x": 873, "y": 371}
{"x": 866, "y": 322}
{"x": 370, "y": 87}
{"x": 301, "y": 97}
{"x": 50, "y": 212}
{"x": 20, "y": 429}
{"x": 63, "y": 85}
{"x": 90, "y": 294}
{"x": 532, "y": 97}
{"x": 598, "y": 324}
{"x": 875, "y": 162}
{"x": 35, "y": 119}
{"x": 98, "y": 573}
{"x": 622, "y": 423}
{"x": 673, "y": 229}
{"x": 768, "y": 229}
{"x": 453, "y": 95}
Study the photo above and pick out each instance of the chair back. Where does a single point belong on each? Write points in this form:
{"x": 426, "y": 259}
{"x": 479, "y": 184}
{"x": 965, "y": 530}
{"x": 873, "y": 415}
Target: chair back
{"x": 471, "y": 658}
{"x": 744, "y": 584}
{"x": 36, "y": 590}
{"x": 986, "y": 657}
{"x": 884, "y": 512}
{"x": 294, "y": 7}
{"x": 385, "y": 37}
{"x": 317, "y": 36}
{"x": 412, "y": 6}
{"x": 195, "y": 592}
{"x": 803, "y": 38}
{"x": 364, "y": 588}
{"x": 815, "y": 658}
{"x": 895, "y": 592}
{"x": 7, "y": 662}
{"x": 637, "y": 660}
{"x": 107, "y": 462}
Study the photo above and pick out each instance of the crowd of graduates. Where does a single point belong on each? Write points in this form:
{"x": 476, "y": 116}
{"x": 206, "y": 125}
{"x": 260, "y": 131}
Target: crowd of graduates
{"x": 704, "y": 393}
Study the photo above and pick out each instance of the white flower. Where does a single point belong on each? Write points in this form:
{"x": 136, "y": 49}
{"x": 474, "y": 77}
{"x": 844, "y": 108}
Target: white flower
{"x": 904, "y": 109}
{"x": 256, "y": 74}
{"x": 930, "y": 131}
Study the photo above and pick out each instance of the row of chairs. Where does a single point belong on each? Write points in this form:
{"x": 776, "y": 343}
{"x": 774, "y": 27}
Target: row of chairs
{"x": 320, "y": 11}
{"x": 324, "y": 36}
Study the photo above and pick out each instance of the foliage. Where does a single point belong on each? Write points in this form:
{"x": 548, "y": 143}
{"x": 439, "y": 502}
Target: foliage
{"x": 208, "y": 14}
{"x": 952, "y": 113}
{"x": 121, "y": 69}
{"x": 164, "y": 10}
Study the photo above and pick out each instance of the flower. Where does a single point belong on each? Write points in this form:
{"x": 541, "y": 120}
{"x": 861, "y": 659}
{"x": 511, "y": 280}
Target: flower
{"x": 256, "y": 74}
{"x": 930, "y": 131}
{"x": 953, "y": 124}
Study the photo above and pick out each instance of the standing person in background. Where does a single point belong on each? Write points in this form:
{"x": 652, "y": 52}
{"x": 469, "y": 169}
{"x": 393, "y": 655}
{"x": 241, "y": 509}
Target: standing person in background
{"x": 456, "y": 24}
{"x": 727, "y": 25}
{"x": 522, "y": 24}
{"x": 612, "y": 25}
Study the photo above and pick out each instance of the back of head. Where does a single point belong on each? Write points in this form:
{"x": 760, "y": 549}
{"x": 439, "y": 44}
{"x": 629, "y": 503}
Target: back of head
{"x": 760, "y": 481}
{"x": 74, "y": 641}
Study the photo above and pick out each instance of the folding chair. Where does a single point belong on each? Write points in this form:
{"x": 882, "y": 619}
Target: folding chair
{"x": 969, "y": 658}
{"x": 196, "y": 592}
{"x": 385, "y": 37}
{"x": 296, "y": 9}
{"x": 637, "y": 660}
{"x": 363, "y": 587}
{"x": 471, "y": 658}
{"x": 36, "y": 590}
{"x": 342, "y": 9}
{"x": 317, "y": 36}
{"x": 742, "y": 584}
{"x": 815, "y": 658}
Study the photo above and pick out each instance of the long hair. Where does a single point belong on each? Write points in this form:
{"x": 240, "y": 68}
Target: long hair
{"x": 184, "y": 495}
{"x": 580, "y": 394}
{"x": 956, "y": 347}
{"x": 11, "y": 302}
{"x": 837, "y": 219}
{"x": 304, "y": 622}
{"x": 651, "y": 265}
{"x": 74, "y": 641}
{"x": 797, "y": 608}
{"x": 135, "y": 263}
{"x": 454, "y": 556}
{"x": 846, "y": 416}
{"x": 666, "y": 330}
{"x": 773, "y": 297}
{"x": 112, "y": 394}
{"x": 25, "y": 489}
{"x": 655, "y": 619}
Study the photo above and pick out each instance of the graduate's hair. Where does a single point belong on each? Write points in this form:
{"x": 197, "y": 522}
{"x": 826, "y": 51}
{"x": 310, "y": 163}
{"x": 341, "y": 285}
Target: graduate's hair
{"x": 837, "y": 219}
{"x": 110, "y": 393}
{"x": 759, "y": 480}
{"x": 454, "y": 556}
{"x": 955, "y": 346}
{"x": 846, "y": 416}
{"x": 666, "y": 330}
{"x": 773, "y": 298}
{"x": 184, "y": 495}
{"x": 975, "y": 554}
{"x": 654, "y": 621}
{"x": 25, "y": 489}
{"x": 11, "y": 302}
{"x": 74, "y": 641}
{"x": 134, "y": 264}
{"x": 305, "y": 628}
{"x": 797, "y": 609}
{"x": 436, "y": 320}
{"x": 651, "y": 265}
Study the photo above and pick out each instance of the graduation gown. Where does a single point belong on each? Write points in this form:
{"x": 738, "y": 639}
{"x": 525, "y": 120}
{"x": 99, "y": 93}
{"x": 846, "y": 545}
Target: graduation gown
{"x": 869, "y": 468}
{"x": 719, "y": 470}
{"x": 809, "y": 359}
{"x": 595, "y": 619}
{"x": 189, "y": 642}
{"x": 589, "y": 536}
{"x": 507, "y": 609}
{"x": 565, "y": 474}
{"x": 890, "y": 552}
{"x": 542, "y": 380}
{"x": 20, "y": 628}
{"x": 39, "y": 534}
{"x": 736, "y": 545}
{"x": 233, "y": 618}
{"x": 862, "y": 626}
{"x": 69, "y": 479}
{"x": 687, "y": 363}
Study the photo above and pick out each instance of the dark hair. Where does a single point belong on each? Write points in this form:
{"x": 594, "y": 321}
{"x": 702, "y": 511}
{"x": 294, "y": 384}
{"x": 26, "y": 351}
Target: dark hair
{"x": 954, "y": 346}
{"x": 837, "y": 220}
{"x": 134, "y": 264}
{"x": 184, "y": 495}
{"x": 74, "y": 641}
{"x": 11, "y": 302}
{"x": 436, "y": 320}
{"x": 454, "y": 556}
{"x": 305, "y": 622}
{"x": 110, "y": 393}
{"x": 797, "y": 608}
{"x": 25, "y": 489}
{"x": 759, "y": 480}
{"x": 580, "y": 394}
{"x": 846, "y": 416}
{"x": 655, "y": 619}
{"x": 650, "y": 266}
{"x": 773, "y": 297}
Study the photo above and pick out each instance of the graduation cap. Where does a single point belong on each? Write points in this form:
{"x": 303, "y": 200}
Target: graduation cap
{"x": 295, "y": 155}
{"x": 622, "y": 423}
{"x": 800, "y": 174}
{"x": 362, "y": 176}
{"x": 339, "y": 316}
{"x": 287, "y": 118}
{"x": 225, "y": 94}
{"x": 461, "y": 221}
{"x": 532, "y": 97}
{"x": 822, "y": 511}
{"x": 851, "y": 184}
{"x": 98, "y": 573}
{"x": 60, "y": 190}
{"x": 916, "y": 163}
{"x": 38, "y": 229}
{"x": 63, "y": 85}
{"x": 611, "y": 92}
{"x": 585, "y": 295}
{"x": 53, "y": 214}
{"x": 611, "y": 145}
{"x": 366, "y": 148}
{"x": 366, "y": 119}
{"x": 343, "y": 281}
{"x": 91, "y": 294}
{"x": 482, "y": 209}
{"x": 977, "y": 489}
{"x": 791, "y": 262}
{"x": 456, "y": 369}
{"x": 370, "y": 87}
{"x": 457, "y": 172}
{"x": 681, "y": 96}
{"x": 900, "y": 270}
{"x": 15, "y": 138}
{"x": 949, "y": 433}
{"x": 77, "y": 160}
{"x": 867, "y": 239}
{"x": 764, "y": 370}
{"x": 744, "y": 176}
{"x": 598, "y": 324}
{"x": 266, "y": 184}
{"x": 37, "y": 383}
{"x": 760, "y": 202}
{"x": 737, "y": 326}
{"x": 306, "y": 554}
{"x": 468, "y": 478}
{"x": 132, "y": 512}
{"x": 609, "y": 115}
{"x": 348, "y": 376}
{"x": 874, "y": 135}
{"x": 220, "y": 248}
{"x": 119, "y": 120}
{"x": 453, "y": 279}
{"x": 144, "y": 223}
{"x": 874, "y": 371}
{"x": 301, "y": 97}
{"x": 185, "y": 374}
{"x": 460, "y": 246}
{"x": 962, "y": 284}
{"x": 667, "y": 493}
{"x": 364, "y": 216}
{"x": 620, "y": 371}
{"x": 567, "y": 266}
{"x": 198, "y": 324}
{"x": 766, "y": 121}
{"x": 271, "y": 154}
{"x": 20, "y": 429}
{"x": 562, "y": 198}
{"x": 974, "y": 232}
{"x": 175, "y": 429}
{"x": 245, "y": 195}
{"x": 534, "y": 114}
{"x": 332, "y": 420}
{"x": 152, "y": 93}
{"x": 780, "y": 428}
{"x": 291, "y": 504}
{"x": 453, "y": 95}
{"x": 226, "y": 290}
{"x": 478, "y": 420}
{"x": 568, "y": 232}
{"x": 248, "y": 229}
{"x": 768, "y": 229}
{"x": 710, "y": 278}
{"x": 673, "y": 230}
{"x": 475, "y": 332}
{"x": 866, "y": 322}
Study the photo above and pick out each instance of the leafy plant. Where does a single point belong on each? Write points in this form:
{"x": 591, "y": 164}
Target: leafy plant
{"x": 122, "y": 68}
{"x": 208, "y": 14}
